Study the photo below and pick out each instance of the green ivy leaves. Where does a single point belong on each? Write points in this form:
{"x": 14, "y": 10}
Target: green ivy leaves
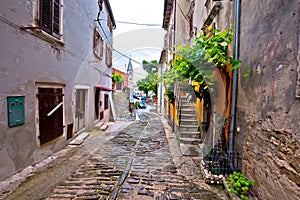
{"x": 238, "y": 184}
{"x": 116, "y": 78}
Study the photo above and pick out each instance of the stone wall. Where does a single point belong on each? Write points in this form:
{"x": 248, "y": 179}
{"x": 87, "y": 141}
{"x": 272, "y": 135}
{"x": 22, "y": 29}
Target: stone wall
{"x": 268, "y": 111}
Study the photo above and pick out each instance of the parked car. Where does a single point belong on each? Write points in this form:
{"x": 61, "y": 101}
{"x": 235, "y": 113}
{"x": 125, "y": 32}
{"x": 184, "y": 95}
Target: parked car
{"x": 141, "y": 104}
{"x": 136, "y": 97}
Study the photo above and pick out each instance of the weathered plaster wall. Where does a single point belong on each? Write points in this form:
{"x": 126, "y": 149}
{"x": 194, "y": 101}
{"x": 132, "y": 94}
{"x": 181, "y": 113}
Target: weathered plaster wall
{"x": 26, "y": 59}
{"x": 222, "y": 18}
{"x": 182, "y": 33}
{"x": 268, "y": 111}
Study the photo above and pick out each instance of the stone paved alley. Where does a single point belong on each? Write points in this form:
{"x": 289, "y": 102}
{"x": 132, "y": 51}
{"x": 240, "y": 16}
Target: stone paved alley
{"x": 138, "y": 160}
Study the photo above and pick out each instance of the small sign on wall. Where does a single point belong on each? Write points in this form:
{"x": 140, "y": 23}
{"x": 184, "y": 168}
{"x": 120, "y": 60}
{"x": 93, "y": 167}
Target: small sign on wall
{"x": 15, "y": 110}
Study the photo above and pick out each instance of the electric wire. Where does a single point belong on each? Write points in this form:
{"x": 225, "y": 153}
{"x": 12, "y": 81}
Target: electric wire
{"x": 111, "y": 45}
{"x": 133, "y": 23}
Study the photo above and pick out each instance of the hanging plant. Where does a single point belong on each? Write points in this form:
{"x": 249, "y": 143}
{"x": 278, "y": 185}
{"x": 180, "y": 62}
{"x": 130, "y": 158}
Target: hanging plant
{"x": 198, "y": 61}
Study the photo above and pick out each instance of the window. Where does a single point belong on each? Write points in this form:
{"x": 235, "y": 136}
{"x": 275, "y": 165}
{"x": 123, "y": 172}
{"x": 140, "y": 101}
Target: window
{"x": 49, "y": 17}
{"x": 109, "y": 24}
{"x": 98, "y": 44}
{"x": 106, "y": 101}
{"x": 100, "y": 4}
{"x": 108, "y": 56}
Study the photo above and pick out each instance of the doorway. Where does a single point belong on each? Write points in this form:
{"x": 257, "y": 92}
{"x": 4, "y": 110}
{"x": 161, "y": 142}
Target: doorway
{"x": 50, "y": 104}
{"x": 80, "y": 108}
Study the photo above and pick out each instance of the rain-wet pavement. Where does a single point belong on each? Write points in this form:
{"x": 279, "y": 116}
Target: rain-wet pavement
{"x": 130, "y": 160}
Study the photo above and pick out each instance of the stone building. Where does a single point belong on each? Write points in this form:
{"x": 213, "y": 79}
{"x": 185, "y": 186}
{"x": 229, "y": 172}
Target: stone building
{"x": 268, "y": 109}
{"x": 267, "y": 120}
{"x": 55, "y": 80}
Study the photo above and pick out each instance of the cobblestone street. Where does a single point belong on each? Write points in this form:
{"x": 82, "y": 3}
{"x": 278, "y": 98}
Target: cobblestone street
{"x": 135, "y": 158}
{"x": 136, "y": 164}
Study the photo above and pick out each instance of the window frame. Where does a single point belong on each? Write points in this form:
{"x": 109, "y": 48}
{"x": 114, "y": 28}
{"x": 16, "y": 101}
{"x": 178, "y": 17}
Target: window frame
{"x": 50, "y": 21}
{"x": 98, "y": 46}
{"x": 108, "y": 56}
{"x": 109, "y": 23}
{"x": 106, "y": 99}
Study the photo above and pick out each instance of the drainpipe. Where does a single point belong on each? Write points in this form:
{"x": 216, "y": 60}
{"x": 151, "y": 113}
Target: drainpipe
{"x": 234, "y": 84}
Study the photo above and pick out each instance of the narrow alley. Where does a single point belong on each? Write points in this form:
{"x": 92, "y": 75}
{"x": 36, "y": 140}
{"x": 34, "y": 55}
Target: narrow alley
{"x": 142, "y": 100}
{"x": 132, "y": 159}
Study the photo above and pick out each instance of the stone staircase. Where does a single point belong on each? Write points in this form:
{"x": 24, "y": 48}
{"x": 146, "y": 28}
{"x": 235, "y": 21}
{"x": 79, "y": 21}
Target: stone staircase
{"x": 189, "y": 135}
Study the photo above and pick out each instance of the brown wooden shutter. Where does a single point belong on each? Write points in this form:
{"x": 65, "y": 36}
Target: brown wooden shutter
{"x": 95, "y": 46}
{"x": 101, "y": 47}
{"x": 46, "y": 15}
{"x": 56, "y": 17}
{"x": 50, "y": 17}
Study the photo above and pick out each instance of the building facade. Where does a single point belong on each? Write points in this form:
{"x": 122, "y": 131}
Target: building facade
{"x": 55, "y": 76}
{"x": 124, "y": 83}
{"x": 266, "y": 123}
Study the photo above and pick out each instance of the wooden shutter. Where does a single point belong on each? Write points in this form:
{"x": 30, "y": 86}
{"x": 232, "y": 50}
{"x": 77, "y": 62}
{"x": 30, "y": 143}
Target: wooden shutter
{"x": 56, "y": 17}
{"x": 98, "y": 44}
{"x": 96, "y": 41}
{"x": 101, "y": 47}
{"x": 46, "y": 15}
{"x": 50, "y": 17}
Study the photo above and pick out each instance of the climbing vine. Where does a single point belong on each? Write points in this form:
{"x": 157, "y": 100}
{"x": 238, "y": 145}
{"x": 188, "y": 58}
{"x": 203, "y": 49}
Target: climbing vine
{"x": 197, "y": 62}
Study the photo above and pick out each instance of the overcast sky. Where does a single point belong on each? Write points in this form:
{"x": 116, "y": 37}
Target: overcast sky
{"x": 138, "y": 42}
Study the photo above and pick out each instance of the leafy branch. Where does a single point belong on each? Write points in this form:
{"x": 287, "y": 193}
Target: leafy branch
{"x": 117, "y": 78}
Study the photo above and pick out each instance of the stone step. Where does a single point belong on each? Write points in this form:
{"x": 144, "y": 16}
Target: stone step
{"x": 188, "y": 117}
{"x": 185, "y": 121}
{"x": 190, "y": 150}
{"x": 187, "y": 140}
{"x": 188, "y": 111}
{"x": 186, "y": 134}
{"x": 188, "y": 114}
{"x": 187, "y": 108}
{"x": 186, "y": 104}
{"x": 189, "y": 128}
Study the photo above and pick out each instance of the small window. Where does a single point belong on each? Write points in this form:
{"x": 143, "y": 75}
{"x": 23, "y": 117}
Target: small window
{"x": 106, "y": 101}
{"x": 50, "y": 17}
{"x": 108, "y": 56}
{"x": 98, "y": 44}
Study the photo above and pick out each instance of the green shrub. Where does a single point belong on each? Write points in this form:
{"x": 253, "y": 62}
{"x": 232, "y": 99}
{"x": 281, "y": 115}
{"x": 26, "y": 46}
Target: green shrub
{"x": 239, "y": 185}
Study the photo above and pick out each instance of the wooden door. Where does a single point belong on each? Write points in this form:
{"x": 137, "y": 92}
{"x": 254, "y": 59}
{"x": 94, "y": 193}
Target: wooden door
{"x": 50, "y": 113}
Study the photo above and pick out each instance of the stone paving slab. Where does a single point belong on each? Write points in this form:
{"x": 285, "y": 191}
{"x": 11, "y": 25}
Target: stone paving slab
{"x": 135, "y": 164}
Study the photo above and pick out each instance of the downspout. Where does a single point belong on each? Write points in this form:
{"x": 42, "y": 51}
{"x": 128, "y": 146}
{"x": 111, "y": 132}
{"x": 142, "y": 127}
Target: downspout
{"x": 174, "y": 43}
{"x": 234, "y": 84}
